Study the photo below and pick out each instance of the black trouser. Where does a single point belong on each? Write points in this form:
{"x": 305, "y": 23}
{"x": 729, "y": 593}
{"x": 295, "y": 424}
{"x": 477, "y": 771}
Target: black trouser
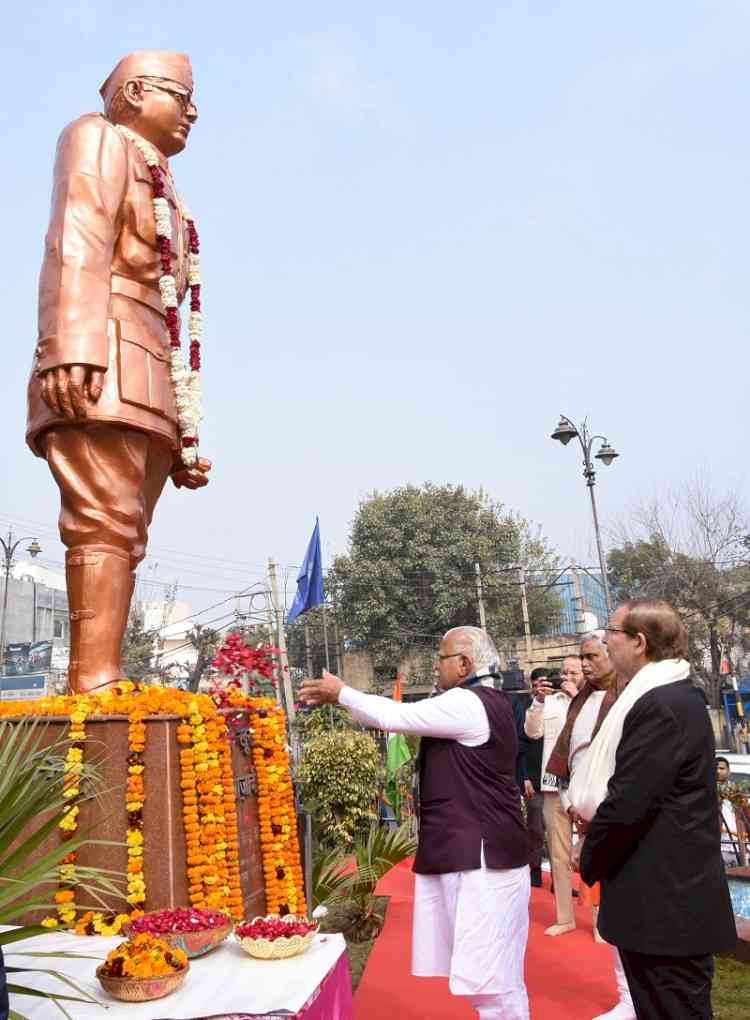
{"x": 669, "y": 987}
{"x": 535, "y": 828}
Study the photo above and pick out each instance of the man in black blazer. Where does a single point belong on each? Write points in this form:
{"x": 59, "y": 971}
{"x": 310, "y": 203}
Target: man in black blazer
{"x": 654, "y": 841}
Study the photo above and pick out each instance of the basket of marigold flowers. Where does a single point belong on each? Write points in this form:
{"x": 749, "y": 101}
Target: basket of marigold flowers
{"x": 143, "y": 968}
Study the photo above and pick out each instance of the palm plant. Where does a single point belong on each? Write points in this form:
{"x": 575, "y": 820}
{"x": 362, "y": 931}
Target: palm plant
{"x": 382, "y": 850}
{"x": 330, "y": 879}
{"x": 32, "y": 781}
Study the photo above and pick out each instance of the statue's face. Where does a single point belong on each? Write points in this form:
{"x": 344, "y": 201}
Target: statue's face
{"x": 165, "y": 113}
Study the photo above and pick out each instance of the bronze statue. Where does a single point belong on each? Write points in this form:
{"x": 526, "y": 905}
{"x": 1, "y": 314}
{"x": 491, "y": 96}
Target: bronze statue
{"x": 102, "y": 408}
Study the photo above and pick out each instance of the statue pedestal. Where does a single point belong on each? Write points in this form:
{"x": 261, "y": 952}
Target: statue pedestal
{"x": 165, "y": 869}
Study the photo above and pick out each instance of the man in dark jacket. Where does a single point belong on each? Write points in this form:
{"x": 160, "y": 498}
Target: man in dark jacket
{"x": 531, "y": 764}
{"x": 654, "y": 840}
{"x": 471, "y": 891}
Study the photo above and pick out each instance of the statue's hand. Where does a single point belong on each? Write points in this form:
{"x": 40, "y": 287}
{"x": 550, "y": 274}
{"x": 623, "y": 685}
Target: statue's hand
{"x": 70, "y": 390}
{"x": 194, "y": 477}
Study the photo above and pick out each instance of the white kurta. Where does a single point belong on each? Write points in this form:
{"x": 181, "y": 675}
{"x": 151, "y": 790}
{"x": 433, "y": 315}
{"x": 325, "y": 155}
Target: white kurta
{"x": 729, "y": 840}
{"x": 545, "y": 720}
{"x": 580, "y": 737}
{"x": 469, "y": 926}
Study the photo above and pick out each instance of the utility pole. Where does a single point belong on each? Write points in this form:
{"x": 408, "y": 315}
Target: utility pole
{"x": 578, "y": 600}
{"x": 272, "y": 641}
{"x": 480, "y": 599}
{"x": 281, "y": 639}
{"x": 525, "y": 611}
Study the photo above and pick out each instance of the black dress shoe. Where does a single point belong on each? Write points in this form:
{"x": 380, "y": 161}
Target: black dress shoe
{"x": 536, "y": 877}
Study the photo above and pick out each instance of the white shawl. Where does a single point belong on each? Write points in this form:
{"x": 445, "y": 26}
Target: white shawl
{"x": 588, "y": 785}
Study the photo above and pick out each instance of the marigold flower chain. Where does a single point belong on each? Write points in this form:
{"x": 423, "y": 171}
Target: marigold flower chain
{"x": 72, "y": 769}
{"x": 134, "y": 798}
{"x": 209, "y": 810}
{"x": 282, "y": 868}
{"x": 208, "y": 798}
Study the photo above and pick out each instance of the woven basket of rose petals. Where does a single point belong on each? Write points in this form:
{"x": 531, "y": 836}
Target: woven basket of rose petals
{"x": 276, "y": 938}
{"x": 193, "y": 931}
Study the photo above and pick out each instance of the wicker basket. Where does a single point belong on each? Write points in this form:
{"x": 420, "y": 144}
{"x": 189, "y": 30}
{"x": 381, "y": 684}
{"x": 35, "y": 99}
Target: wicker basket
{"x": 134, "y": 989}
{"x": 281, "y": 948}
{"x": 192, "y": 943}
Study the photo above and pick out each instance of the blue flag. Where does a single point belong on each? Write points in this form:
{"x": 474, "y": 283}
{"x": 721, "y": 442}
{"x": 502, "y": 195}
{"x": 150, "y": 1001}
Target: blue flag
{"x": 309, "y": 579}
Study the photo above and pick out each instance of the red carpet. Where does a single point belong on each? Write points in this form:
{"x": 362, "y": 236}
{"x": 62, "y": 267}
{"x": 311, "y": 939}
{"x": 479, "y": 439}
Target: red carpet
{"x": 568, "y": 978}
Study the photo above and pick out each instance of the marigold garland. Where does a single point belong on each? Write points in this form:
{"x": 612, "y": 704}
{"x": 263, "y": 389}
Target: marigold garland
{"x": 72, "y": 769}
{"x": 207, "y": 786}
{"x": 279, "y": 843}
{"x": 134, "y": 797}
{"x": 209, "y": 813}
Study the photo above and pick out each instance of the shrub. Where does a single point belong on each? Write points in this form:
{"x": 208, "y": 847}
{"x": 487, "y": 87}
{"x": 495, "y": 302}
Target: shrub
{"x": 315, "y": 722}
{"x": 339, "y": 777}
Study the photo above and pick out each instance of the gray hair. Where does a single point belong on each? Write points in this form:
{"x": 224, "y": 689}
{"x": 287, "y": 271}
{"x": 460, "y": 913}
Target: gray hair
{"x": 480, "y": 647}
{"x": 594, "y": 635}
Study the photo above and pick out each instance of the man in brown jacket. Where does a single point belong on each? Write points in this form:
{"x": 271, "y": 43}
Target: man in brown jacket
{"x": 101, "y": 403}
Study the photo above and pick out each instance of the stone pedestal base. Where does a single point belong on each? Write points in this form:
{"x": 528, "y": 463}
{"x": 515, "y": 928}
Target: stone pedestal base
{"x": 164, "y": 840}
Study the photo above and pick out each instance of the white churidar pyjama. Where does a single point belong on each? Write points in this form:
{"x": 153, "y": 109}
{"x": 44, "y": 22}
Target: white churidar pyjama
{"x": 472, "y": 927}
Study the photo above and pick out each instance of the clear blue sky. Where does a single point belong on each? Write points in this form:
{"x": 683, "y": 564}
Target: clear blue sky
{"x": 427, "y": 228}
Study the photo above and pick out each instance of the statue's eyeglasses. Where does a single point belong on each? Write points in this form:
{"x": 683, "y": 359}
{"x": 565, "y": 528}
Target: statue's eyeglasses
{"x": 185, "y": 99}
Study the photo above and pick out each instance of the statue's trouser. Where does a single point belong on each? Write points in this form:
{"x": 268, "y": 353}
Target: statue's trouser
{"x": 110, "y": 478}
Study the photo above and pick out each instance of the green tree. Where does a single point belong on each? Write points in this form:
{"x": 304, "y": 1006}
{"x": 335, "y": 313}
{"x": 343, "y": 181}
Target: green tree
{"x": 138, "y": 646}
{"x": 410, "y": 573}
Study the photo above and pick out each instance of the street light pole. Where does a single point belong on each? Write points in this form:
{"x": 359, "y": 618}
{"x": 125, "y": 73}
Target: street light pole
{"x": 9, "y": 550}
{"x": 565, "y": 431}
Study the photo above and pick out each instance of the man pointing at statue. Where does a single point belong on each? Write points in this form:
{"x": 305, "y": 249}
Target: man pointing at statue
{"x": 471, "y": 893}
{"x": 113, "y": 405}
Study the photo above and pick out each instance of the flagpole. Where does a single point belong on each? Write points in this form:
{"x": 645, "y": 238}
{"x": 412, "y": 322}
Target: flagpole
{"x": 308, "y": 653}
{"x": 336, "y": 638}
{"x": 325, "y": 636}
{"x": 281, "y": 638}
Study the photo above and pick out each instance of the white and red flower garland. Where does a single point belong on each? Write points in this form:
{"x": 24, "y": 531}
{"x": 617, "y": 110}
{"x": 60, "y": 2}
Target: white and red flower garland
{"x": 185, "y": 380}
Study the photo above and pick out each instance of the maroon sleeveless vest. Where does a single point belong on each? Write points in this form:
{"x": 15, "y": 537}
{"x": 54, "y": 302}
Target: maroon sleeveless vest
{"x": 469, "y": 796}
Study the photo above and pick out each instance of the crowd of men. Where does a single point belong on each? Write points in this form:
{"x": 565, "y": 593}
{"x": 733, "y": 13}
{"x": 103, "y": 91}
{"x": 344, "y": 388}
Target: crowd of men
{"x": 617, "y": 759}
